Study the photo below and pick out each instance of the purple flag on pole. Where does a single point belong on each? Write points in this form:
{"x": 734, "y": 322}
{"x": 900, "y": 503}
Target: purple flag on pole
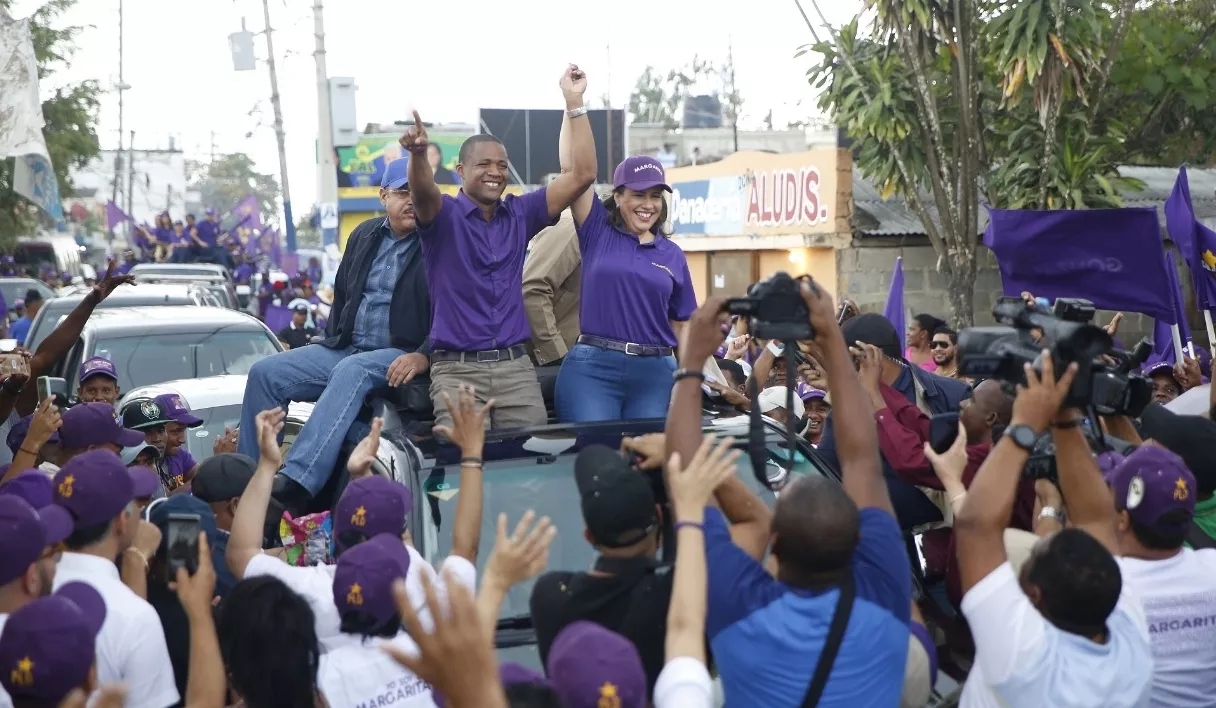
{"x": 114, "y": 215}
{"x": 248, "y": 212}
{"x": 277, "y": 317}
{"x": 1196, "y": 242}
{"x": 275, "y": 251}
{"x": 1112, "y": 257}
{"x": 1163, "y": 336}
{"x": 894, "y": 309}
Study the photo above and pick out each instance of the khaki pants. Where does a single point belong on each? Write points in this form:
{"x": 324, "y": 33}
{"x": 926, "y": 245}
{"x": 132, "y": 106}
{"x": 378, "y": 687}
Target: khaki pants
{"x": 512, "y": 384}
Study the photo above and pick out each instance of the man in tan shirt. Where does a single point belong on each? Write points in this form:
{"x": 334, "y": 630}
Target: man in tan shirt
{"x": 552, "y": 278}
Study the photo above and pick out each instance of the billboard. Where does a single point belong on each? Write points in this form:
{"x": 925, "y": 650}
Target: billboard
{"x": 530, "y": 137}
{"x": 761, "y": 193}
{"x": 362, "y": 165}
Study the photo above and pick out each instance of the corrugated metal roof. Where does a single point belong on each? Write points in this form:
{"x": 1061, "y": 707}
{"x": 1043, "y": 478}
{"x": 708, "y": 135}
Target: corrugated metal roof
{"x": 874, "y": 217}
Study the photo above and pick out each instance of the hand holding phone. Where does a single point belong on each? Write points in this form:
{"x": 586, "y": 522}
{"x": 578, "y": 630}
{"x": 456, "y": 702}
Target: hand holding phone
{"x": 182, "y": 543}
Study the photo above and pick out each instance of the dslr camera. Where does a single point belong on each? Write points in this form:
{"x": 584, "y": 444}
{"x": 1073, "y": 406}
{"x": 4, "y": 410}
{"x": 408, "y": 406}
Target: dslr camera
{"x": 775, "y": 309}
{"x": 1068, "y": 333}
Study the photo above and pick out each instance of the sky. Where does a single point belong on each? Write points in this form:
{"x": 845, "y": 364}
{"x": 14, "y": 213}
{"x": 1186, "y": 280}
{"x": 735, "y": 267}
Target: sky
{"x": 465, "y": 55}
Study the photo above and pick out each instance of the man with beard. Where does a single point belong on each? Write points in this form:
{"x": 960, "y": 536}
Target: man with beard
{"x": 943, "y": 347}
{"x": 377, "y": 335}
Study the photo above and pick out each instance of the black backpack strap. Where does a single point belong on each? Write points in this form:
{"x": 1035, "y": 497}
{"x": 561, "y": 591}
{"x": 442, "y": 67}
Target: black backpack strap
{"x": 1197, "y": 539}
{"x": 831, "y": 646}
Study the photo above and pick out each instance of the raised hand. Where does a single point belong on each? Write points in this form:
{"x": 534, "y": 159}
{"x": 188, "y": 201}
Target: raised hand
{"x": 703, "y": 334}
{"x": 737, "y": 347}
{"x": 692, "y": 486}
{"x": 468, "y": 430}
{"x": 523, "y": 554}
{"x": 649, "y": 448}
{"x": 573, "y": 82}
{"x": 197, "y": 592}
{"x": 361, "y": 459}
{"x": 415, "y": 140}
{"x": 270, "y": 424}
{"x": 109, "y": 282}
{"x": 43, "y": 425}
{"x": 226, "y": 442}
{"x": 1039, "y": 401}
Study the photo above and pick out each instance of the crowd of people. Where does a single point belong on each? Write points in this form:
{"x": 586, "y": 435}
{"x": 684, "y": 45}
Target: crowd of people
{"x": 132, "y": 575}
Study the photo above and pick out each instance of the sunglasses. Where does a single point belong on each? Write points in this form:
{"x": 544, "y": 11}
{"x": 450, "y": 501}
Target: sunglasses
{"x": 939, "y": 345}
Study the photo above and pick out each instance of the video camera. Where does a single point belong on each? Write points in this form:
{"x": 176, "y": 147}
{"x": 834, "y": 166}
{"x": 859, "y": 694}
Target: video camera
{"x": 775, "y": 309}
{"x": 1042, "y": 461}
{"x": 1068, "y": 333}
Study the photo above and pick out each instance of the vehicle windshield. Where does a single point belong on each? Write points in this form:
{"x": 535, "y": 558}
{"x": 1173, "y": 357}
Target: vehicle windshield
{"x": 154, "y": 358}
{"x": 545, "y": 484}
{"x": 14, "y": 290}
{"x": 200, "y": 440}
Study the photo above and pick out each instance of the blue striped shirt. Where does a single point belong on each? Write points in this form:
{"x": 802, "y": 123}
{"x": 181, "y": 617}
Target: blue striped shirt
{"x": 372, "y": 319}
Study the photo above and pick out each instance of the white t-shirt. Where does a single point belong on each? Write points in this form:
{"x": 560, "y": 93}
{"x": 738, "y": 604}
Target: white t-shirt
{"x": 131, "y": 646}
{"x": 684, "y": 682}
{"x": 361, "y": 675}
{"x": 316, "y": 585}
{"x": 1179, "y": 598}
{"x": 5, "y": 701}
{"x": 1024, "y": 661}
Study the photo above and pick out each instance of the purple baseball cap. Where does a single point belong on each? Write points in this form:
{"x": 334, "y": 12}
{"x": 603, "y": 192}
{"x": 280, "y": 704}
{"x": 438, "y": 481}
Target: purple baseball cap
{"x": 1152, "y": 482}
{"x": 97, "y": 366}
{"x": 91, "y": 424}
{"x": 48, "y": 646}
{"x": 808, "y": 393}
{"x": 94, "y": 487}
{"x": 639, "y": 173}
{"x": 209, "y": 211}
{"x": 588, "y": 664}
{"x": 1156, "y": 367}
{"x": 144, "y": 481}
{"x": 24, "y": 533}
{"x": 363, "y": 580}
{"x": 510, "y": 674}
{"x": 18, "y": 431}
{"x": 176, "y": 409}
{"x": 372, "y": 506}
{"x": 20, "y": 303}
{"x": 34, "y": 486}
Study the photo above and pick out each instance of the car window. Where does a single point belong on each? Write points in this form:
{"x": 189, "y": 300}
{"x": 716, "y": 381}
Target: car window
{"x": 146, "y": 360}
{"x": 14, "y": 290}
{"x": 200, "y": 440}
{"x": 545, "y": 484}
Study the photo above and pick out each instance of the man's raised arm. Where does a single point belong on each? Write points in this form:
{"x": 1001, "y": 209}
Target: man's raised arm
{"x": 427, "y": 198}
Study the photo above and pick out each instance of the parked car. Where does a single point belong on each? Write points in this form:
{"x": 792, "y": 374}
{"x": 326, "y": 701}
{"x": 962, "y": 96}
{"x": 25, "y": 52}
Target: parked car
{"x": 152, "y": 345}
{"x": 223, "y": 290}
{"x": 14, "y": 289}
{"x": 179, "y": 269}
{"x": 161, "y": 294}
{"x": 217, "y": 400}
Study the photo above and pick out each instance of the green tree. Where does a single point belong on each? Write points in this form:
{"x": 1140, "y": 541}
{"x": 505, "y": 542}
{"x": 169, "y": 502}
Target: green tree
{"x": 229, "y": 179}
{"x": 1021, "y": 103}
{"x": 307, "y": 234}
{"x": 659, "y": 98}
{"x": 70, "y": 115}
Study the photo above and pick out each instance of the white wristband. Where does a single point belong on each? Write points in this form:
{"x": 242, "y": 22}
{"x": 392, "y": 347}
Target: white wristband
{"x": 775, "y": 348}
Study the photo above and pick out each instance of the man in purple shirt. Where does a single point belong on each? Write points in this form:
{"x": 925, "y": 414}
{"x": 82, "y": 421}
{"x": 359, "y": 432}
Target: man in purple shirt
{"x": 473, "y": 247}
{"x": 209, "y": 241}
{"x": 179, "y": 463}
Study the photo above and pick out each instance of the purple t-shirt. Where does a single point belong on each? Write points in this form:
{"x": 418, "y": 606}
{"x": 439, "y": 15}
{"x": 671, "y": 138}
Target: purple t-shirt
{"x": 637, "y": 288}
{"x": 178, "y": 465}
{"x": 208, "y": 232}
{"x": 475, "y": 271}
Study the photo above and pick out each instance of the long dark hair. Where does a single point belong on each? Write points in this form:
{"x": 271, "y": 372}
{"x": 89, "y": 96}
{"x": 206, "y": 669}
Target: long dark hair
{"x": 615, "y": 218}
{"x": 269, "y": 643}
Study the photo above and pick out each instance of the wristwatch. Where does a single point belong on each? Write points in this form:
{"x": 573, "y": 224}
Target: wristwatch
{"x": 576, "y": 112}
{"x": 1050, "y": 512}
{"x": 1023, "y": 436}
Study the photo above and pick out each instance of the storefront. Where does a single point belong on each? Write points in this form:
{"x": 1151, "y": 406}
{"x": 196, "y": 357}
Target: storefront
{"x": 752, "y": 214}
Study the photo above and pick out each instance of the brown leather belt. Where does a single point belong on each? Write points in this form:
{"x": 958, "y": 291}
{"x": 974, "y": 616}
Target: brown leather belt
{"x": 488, "y": 356}
{"x": 627, "y": 347}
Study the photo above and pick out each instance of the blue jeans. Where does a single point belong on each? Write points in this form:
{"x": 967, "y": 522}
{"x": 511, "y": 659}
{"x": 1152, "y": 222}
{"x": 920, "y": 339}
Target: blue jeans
{"x": 601, "y": 384}
{"x": 337, "y": 379}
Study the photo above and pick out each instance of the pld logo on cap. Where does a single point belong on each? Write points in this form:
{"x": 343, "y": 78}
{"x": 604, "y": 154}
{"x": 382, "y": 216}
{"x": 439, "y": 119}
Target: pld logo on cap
{"x": 354, "y": 596}
{"x": 65, "y": 487}
{"x": 608, "y": 697}
{"x": 1181, "y": 493}
{"x": 150, "y": 410}
{"x": 359, "y": 518}
{"x": 23, "y": 675}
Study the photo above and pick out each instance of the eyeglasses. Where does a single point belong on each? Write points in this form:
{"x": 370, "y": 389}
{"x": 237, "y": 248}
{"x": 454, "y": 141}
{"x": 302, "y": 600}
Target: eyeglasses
{"x": 938, "y": 344}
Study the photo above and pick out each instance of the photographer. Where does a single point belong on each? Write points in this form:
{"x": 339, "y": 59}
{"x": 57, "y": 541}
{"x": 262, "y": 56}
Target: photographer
{"x": 1066, "y": 630}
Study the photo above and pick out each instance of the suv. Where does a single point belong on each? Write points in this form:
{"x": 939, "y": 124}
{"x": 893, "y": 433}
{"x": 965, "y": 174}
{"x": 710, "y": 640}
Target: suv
{"x": 197, "y": 270}
{"x": 53, "y": 311}
{"x": 151, "y": 345}
{"x": 220, "y": 285}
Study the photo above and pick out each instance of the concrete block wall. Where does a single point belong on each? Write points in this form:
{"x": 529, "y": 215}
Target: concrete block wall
{"x": 863, "y": 273}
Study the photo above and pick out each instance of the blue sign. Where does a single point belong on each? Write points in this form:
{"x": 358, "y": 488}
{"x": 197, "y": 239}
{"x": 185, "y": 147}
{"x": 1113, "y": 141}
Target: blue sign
{"x": 713, "y": 207}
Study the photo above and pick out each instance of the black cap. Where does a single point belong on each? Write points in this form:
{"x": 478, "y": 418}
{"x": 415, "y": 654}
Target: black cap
{"x": 223, "y": 477}
{"x": 873, "y": 329}
{"x": 618, "y": 503}
{"x": 1188, "y": 436}
{"x": 144, "y": 413}
{"x": 301, "y": 308}
{"x": 32, "y": 296}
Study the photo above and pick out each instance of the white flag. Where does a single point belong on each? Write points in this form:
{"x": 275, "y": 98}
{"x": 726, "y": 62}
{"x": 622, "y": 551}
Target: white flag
{"x": 21, "y": 118}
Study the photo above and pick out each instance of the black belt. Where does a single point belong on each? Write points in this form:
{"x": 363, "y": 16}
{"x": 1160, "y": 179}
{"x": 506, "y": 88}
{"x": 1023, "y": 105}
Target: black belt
{"x": 627, "y": 347}
{"x": 488, "y": 356}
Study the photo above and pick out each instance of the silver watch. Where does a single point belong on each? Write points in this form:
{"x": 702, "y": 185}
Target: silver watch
{"x": 1050, "y": 512}
{"x": 576, "y": 112}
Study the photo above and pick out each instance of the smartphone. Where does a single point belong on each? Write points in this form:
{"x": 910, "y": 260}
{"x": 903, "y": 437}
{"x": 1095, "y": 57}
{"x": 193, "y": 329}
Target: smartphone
{"x": 44, "y": 388}
{"x": 181, "y": 537}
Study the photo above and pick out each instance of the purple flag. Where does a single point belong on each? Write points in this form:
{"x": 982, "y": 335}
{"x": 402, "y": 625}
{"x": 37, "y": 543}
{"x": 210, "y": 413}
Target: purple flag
{"x": 291, "y": 263}
{"x": 114, "y": 215}
{"x": 1196, "y": 242}
{"x": 248, "y": 212}
{"x": 274, "y": 251}
{"x": 1163, "y": 336}
{"x": 277, "y": 317}
{"x": 894, "y": 309}
{"x": 1112, "y": 257}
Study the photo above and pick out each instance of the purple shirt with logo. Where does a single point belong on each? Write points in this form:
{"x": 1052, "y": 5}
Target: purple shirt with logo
{"x": 208, "y": 232}
{"x": 178, "y": 465}
{"x": 638, "y": 287}
{"x": 475, "y": 270}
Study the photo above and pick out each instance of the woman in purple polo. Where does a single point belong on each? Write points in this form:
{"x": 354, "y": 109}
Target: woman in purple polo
{"x": 636, "y": 292}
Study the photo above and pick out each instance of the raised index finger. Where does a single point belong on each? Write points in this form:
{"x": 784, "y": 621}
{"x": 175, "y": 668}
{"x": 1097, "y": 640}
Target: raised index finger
{"x": 417, "y": 120}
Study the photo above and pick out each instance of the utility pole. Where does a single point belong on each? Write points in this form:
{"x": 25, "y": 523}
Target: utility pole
{"x": 168, "y": 197}
{"x": 327, "y": 174}
{"x": 731, "y": 95}
{"x": 611, "y": 155}
{"x": 120, "y": 87}
{"x": 213, "y": 146}
{"x": 289, "y": 227}
{"x": 131, "y": 187}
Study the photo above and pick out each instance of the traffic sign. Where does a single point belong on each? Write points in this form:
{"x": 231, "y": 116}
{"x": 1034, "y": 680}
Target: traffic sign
{"x": 329, "y": 215}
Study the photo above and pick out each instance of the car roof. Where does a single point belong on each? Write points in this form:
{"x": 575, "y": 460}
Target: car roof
{"x": 208, "y": 392}
{"x": 170, "y": 318}
{"x": 175, "y": 268}
{"x": 144, "y": 292}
